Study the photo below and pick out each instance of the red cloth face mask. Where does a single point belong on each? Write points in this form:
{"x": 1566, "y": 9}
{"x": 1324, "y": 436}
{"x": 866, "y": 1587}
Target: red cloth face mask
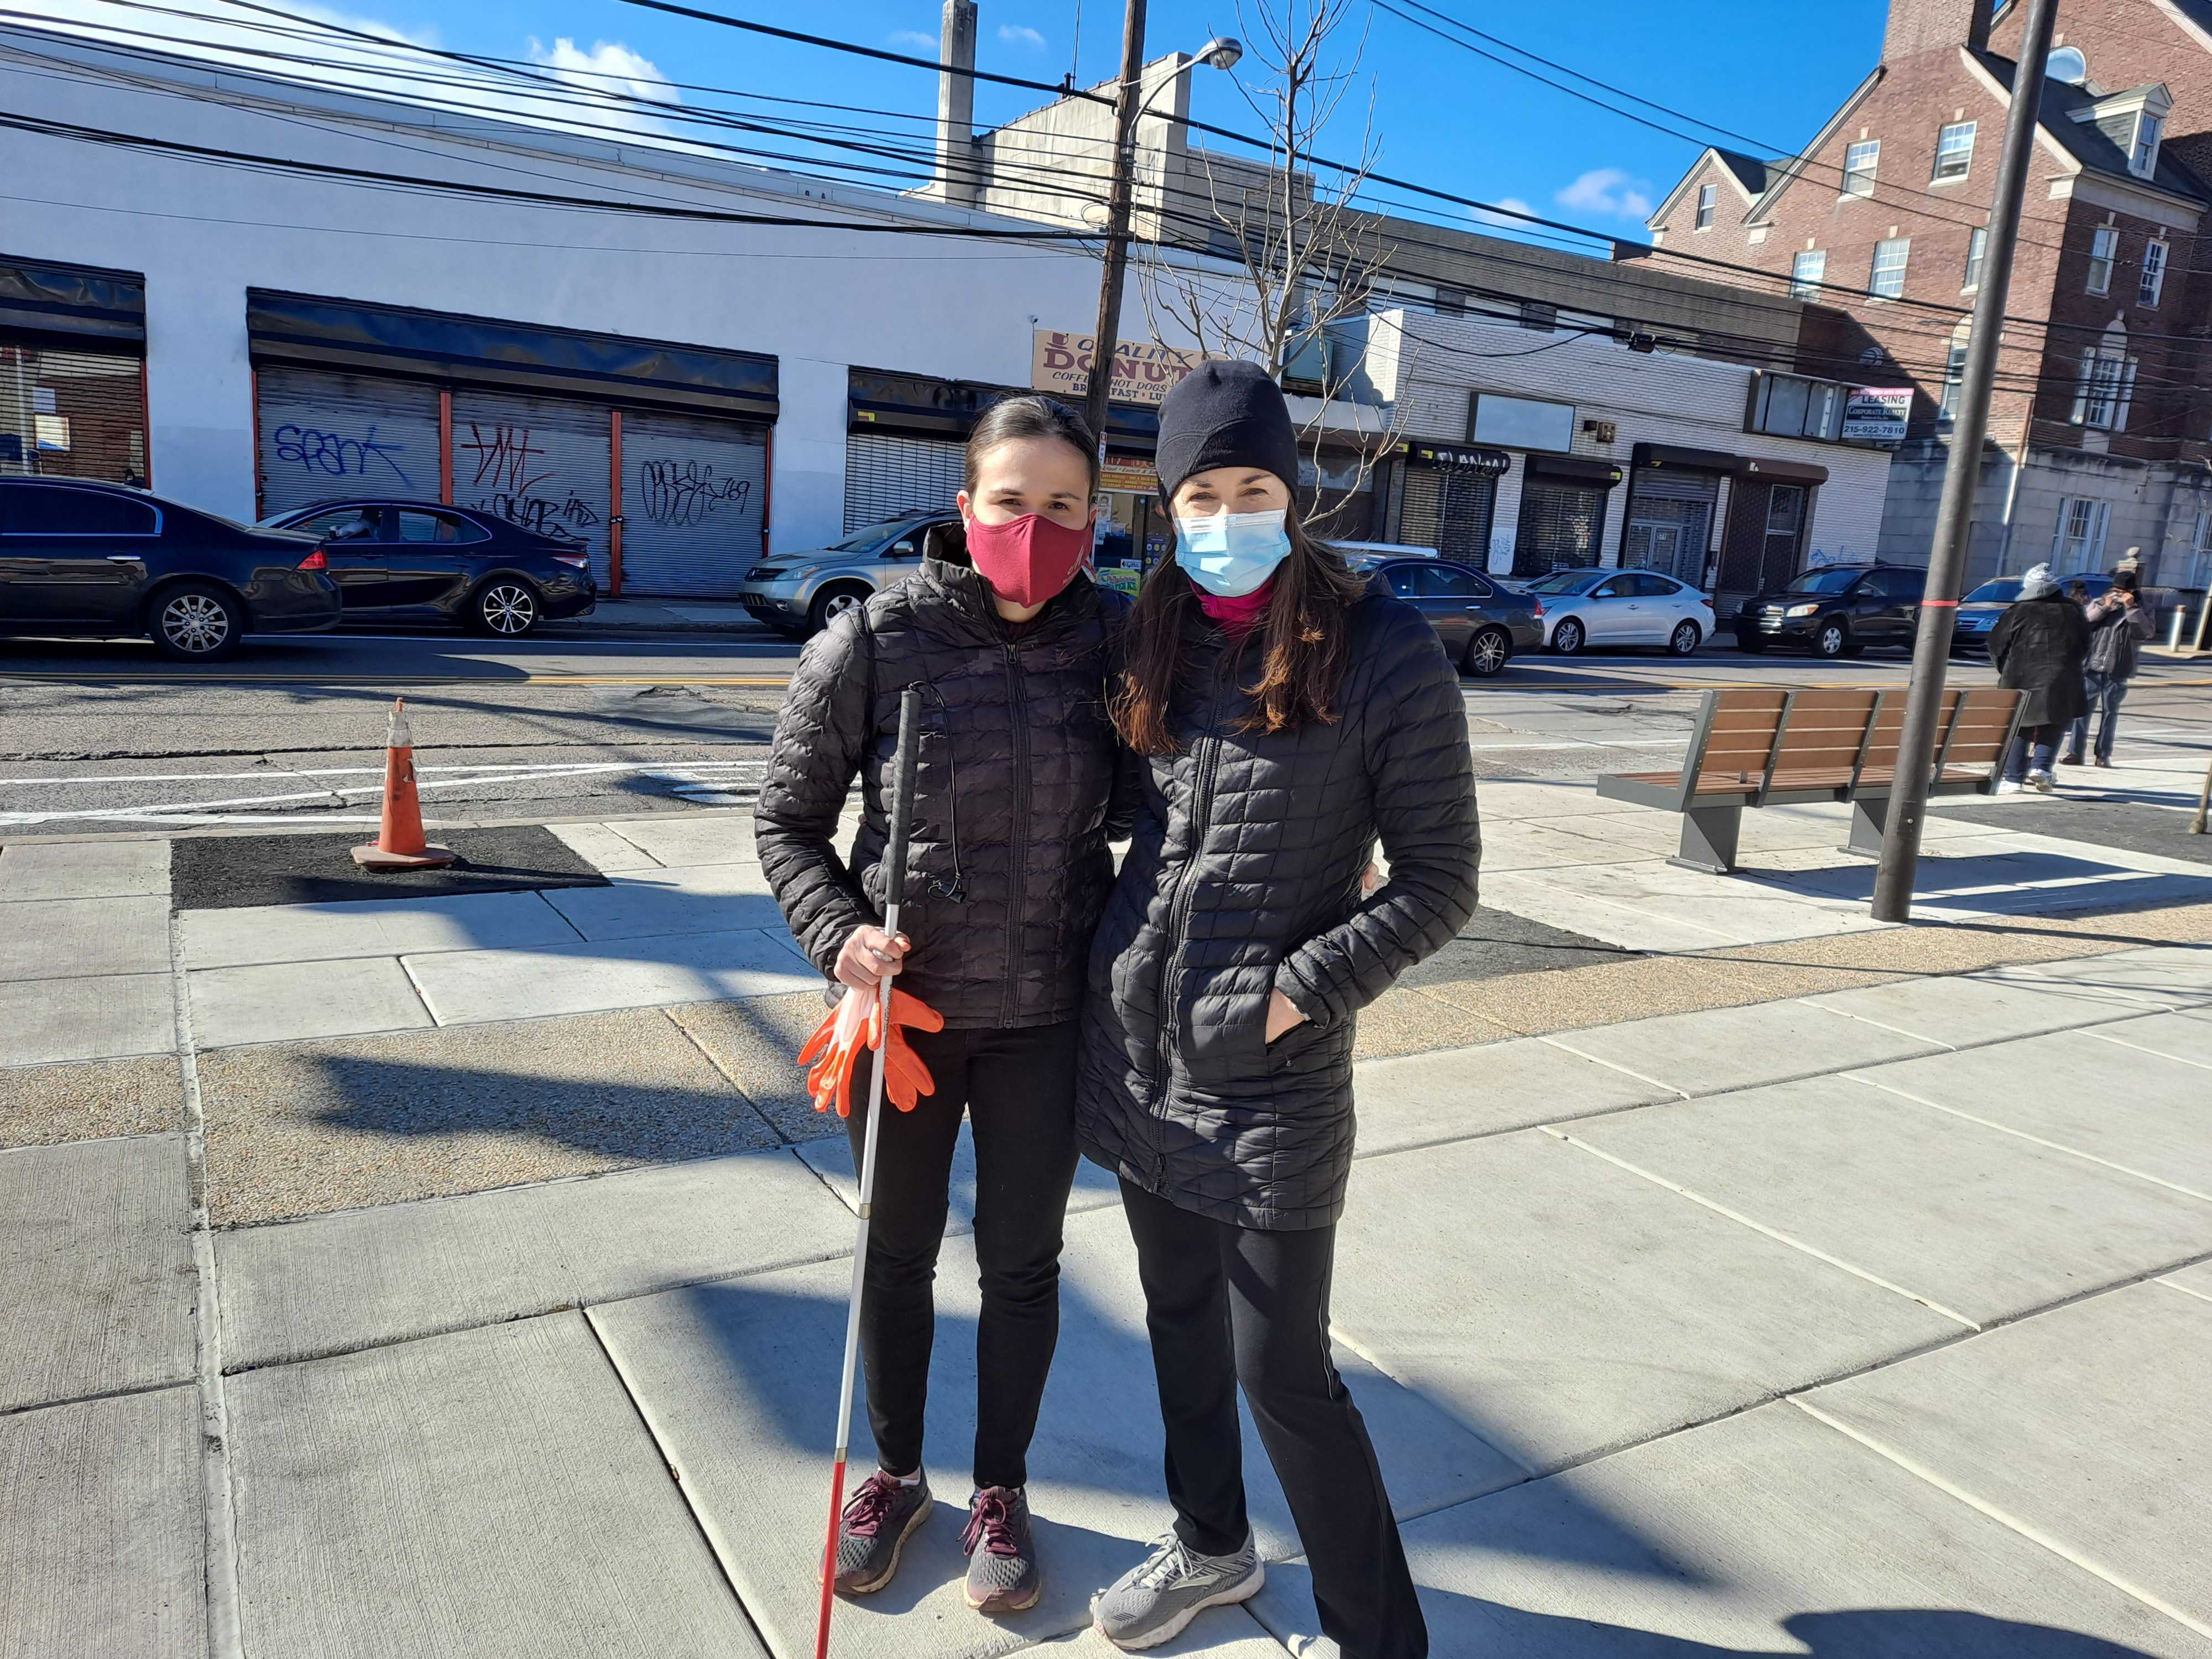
{"x": 1029, "y": 559}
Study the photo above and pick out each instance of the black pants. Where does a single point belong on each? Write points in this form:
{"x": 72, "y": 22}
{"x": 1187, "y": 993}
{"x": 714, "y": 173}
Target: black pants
{"x": 1018, "y": 1089}
{"x": 1226, "y": 1304}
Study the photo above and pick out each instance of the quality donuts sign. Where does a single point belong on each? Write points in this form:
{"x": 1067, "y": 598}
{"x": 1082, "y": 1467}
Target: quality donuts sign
{"x": 1060, "y": 363}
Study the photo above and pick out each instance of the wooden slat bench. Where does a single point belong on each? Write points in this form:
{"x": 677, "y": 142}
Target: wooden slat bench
{"x": 1772, "y": 747}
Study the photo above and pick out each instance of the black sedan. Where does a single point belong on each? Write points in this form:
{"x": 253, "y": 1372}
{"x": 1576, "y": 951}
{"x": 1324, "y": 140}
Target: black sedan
{"x": 1481, "y": 622}
{"x": 104, "y": 560}
{"x": 399, "y": 560}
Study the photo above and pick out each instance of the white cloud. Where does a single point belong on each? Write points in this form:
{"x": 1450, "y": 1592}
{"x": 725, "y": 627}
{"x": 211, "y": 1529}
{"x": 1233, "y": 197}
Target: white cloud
{"x": 1608, "y": 191}
{"x": 914, "y": 40}
{"x": 608, "y": 66}
{"x": 1512, "y": 204}
{"x": 1017, "y": 34}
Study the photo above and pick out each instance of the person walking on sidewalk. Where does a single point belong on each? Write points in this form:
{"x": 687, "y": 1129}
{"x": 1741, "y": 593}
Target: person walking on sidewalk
{"x": 2119, "y": 624}
{"x": 1009, "y": 870}
{"x": 1286, "y": 714}
{"x": 2039, "y": 647}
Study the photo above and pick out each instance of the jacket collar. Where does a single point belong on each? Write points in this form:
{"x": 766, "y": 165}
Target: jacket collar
{"x": 945, "y": 567}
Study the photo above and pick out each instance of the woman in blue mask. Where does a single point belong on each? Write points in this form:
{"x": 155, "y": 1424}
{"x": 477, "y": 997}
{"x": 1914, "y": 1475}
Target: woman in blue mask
{"x": 1284, "y": 715}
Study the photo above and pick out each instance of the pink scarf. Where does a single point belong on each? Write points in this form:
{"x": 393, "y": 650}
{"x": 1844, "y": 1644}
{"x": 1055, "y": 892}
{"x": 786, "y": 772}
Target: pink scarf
{"x": 1238, "y": 616}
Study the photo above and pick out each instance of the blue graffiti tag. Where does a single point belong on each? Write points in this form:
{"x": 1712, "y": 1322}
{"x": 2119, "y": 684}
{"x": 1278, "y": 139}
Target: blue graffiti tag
{"x": 328, "y": 452}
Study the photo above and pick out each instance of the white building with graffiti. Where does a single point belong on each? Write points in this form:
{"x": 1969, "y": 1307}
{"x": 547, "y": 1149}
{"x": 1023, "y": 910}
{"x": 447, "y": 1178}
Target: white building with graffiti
{"x": 731, "y": 361}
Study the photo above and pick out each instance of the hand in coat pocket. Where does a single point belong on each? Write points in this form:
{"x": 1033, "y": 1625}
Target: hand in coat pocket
{"x": 1283, "y": 1015}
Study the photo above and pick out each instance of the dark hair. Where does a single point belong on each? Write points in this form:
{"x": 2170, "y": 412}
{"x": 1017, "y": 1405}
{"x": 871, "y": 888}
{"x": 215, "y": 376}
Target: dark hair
{"x": 1029, "y": 417}
{"x": 2125, "y": 581}
{"x": 1300, "y": 639}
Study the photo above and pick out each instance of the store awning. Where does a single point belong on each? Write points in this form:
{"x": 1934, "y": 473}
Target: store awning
{"x": 75, "y": 301}
{"x": 1572, "y": 469}
{"x": 299, "y": 328}
{"x": 1470, "y": 457}
{"x": 1774, "y": 472}
{"x": 1675, "y": 456}
{"x": 879, "y": 400}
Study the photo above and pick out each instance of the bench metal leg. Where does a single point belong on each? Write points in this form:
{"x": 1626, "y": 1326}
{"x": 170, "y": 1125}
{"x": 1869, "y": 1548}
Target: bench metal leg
{"x": 1869, "y": 819}
{"x": 1708, "y": 835}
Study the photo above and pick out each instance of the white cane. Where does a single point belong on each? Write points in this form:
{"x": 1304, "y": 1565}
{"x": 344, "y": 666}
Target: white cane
{"x": 902, "y": 807}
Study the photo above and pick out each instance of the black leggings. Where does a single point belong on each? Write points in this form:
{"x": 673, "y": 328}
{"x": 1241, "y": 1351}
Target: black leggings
{"x": 1018, "y": 1089}
{"x": 1226, "y": 1304}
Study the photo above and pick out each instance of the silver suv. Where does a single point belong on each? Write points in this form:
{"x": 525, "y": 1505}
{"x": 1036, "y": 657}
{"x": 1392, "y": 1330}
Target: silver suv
{"x": 798, "y": 594}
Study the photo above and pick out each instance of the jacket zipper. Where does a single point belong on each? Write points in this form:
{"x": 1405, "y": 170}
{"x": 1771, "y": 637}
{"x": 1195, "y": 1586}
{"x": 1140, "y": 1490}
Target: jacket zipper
{"x": 1017, "y": 706}
{"x": 1201, "y": 811}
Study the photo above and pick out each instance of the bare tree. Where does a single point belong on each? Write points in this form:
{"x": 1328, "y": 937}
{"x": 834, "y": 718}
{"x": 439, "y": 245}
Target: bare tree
{"x": 1311, "y": 257}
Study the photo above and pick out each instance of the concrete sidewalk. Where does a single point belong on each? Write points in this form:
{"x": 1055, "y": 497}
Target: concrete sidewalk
{"x": 1763, "y": 1282}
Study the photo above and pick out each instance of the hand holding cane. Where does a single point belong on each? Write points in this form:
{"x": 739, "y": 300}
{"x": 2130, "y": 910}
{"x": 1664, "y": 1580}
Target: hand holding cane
{"x": 882, "y": 1031}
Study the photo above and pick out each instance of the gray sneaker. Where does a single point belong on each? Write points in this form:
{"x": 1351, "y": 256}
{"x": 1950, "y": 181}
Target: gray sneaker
{"x": 1002, "y": 1561}
{"x": 879, "y": 1519}
{"x": 1150, "y": 1603}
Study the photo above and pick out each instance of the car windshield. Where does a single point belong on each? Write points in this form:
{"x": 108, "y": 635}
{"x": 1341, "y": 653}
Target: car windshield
{"x": 2004, "y": 591}
{"x": 862, "y": 541}
{"x": 1566, "y": 581}
{"x": 1823, "y": 582}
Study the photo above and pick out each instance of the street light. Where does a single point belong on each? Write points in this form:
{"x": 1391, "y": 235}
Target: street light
{"x": 1221, "y": 52}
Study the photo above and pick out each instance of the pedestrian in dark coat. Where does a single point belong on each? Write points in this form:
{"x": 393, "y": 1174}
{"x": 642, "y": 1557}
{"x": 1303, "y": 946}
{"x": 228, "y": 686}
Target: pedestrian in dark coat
{"x": 1285, "y": 714}
{"x": 2119, "y": 624}
{"x": 2039, "y": 647}
{"x": 1008, "y": 869}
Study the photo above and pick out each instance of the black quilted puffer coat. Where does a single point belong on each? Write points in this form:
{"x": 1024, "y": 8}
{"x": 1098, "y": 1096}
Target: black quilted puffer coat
{"x": 1243, "y": 878}
{"x": 1007, "y": 868}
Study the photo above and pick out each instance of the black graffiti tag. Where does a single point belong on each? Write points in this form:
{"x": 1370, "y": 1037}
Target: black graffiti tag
{"x": 546, "y": 516}
{"x": 331, "y": 453}
{"x": 679, "y": 493}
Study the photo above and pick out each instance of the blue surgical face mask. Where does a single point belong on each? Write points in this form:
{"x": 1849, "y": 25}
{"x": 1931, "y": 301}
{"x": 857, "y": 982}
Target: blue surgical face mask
{"x": 1231, "y": 553}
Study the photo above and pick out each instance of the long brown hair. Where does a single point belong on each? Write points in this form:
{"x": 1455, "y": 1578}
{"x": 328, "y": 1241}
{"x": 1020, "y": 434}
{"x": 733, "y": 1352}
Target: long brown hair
{"x": 1300, "y": 639}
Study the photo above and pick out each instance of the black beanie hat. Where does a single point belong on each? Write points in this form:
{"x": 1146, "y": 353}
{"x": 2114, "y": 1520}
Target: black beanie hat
{"x": 1225, "y": 414}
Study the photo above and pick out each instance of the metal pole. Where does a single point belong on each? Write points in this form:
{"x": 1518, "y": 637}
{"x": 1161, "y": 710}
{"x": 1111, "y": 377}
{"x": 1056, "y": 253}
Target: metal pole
{"x": 1954, "y": 512}
{"x": 1106, "y": 336}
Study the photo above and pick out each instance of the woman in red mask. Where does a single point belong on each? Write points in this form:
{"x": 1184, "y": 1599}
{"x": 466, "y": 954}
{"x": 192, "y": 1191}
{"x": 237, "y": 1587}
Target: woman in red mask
{"x": 1007, "y": 873}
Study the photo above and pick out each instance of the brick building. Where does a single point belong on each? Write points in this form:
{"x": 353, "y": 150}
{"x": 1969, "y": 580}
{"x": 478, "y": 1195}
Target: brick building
{"x": 2099, "y": 428}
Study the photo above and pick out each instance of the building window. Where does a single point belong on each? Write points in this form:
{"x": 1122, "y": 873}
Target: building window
{"x": 2080, "y": 543}
{"x": 2153, "y": 280}
{"x": 2143, "y": 157}
{"x": 1790, "y": 406}
{"x": 1451, "y": 302}
{"x": 1807, "y": 271}
{"x": 1954, "y": 150}
{"x": 2200, "y": 553}
{"x": 2104, "y": 249}
{"x": 1859, "y": 161}
{"x": 1705, "y": 195}
{"x": 1538, "y": 315}
{"x": 1977, "y": 247}
{"x": 1889, "y": 257}
{"x": 2102, "y": 394}
{"x": 1954, "y": 374}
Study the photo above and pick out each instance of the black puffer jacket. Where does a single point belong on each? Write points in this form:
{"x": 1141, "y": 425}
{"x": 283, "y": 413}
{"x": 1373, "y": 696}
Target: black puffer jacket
{"x": 1243, "y": 878}
{"x": 2039, "y": 647}
{"x": 1007, "y": 869}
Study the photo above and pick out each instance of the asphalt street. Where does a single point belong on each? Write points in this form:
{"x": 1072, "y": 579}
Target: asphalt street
{"x": 97, "y": 736}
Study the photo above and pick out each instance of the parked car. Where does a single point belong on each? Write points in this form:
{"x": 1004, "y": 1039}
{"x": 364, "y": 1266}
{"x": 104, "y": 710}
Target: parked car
{"x": 403, "y": 560}
{"x": 1979, "y": 611}
{"x": 105, "y": 561}
{"x": 1622, "y": 607}
{"x": 1481, "y": 622}
{"x": 798, "y": 594}
{"x": 1836, "y": 611}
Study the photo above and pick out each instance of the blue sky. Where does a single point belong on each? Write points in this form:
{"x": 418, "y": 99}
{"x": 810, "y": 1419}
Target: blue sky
{"x": 1770, "y": 69}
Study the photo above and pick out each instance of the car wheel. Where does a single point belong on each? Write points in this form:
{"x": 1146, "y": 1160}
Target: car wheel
{"x": 832, "y": 603}
{"x": 1685, "y": 638}
{"x": 1567, "y": 637}
{"x": 507, "y": 610}
{"x": 196, "y": 622}
{"x": 1487, "y": 653}
{"x": 1834, "y": 640}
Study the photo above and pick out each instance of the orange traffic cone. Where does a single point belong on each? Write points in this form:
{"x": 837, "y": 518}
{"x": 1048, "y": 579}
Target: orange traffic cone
{"x": 399, "y": 844}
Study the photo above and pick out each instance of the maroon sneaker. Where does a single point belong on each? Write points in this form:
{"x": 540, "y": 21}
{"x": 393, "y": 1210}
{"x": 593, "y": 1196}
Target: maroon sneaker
{"x": 1002, "y": 1564}
{"x": 879, "y": 1519}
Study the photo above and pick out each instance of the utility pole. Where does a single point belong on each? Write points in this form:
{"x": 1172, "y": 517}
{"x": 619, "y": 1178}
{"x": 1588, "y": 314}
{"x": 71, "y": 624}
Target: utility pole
{"x": 1128, "y": 97}
{"x": 1955, "y": 511}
